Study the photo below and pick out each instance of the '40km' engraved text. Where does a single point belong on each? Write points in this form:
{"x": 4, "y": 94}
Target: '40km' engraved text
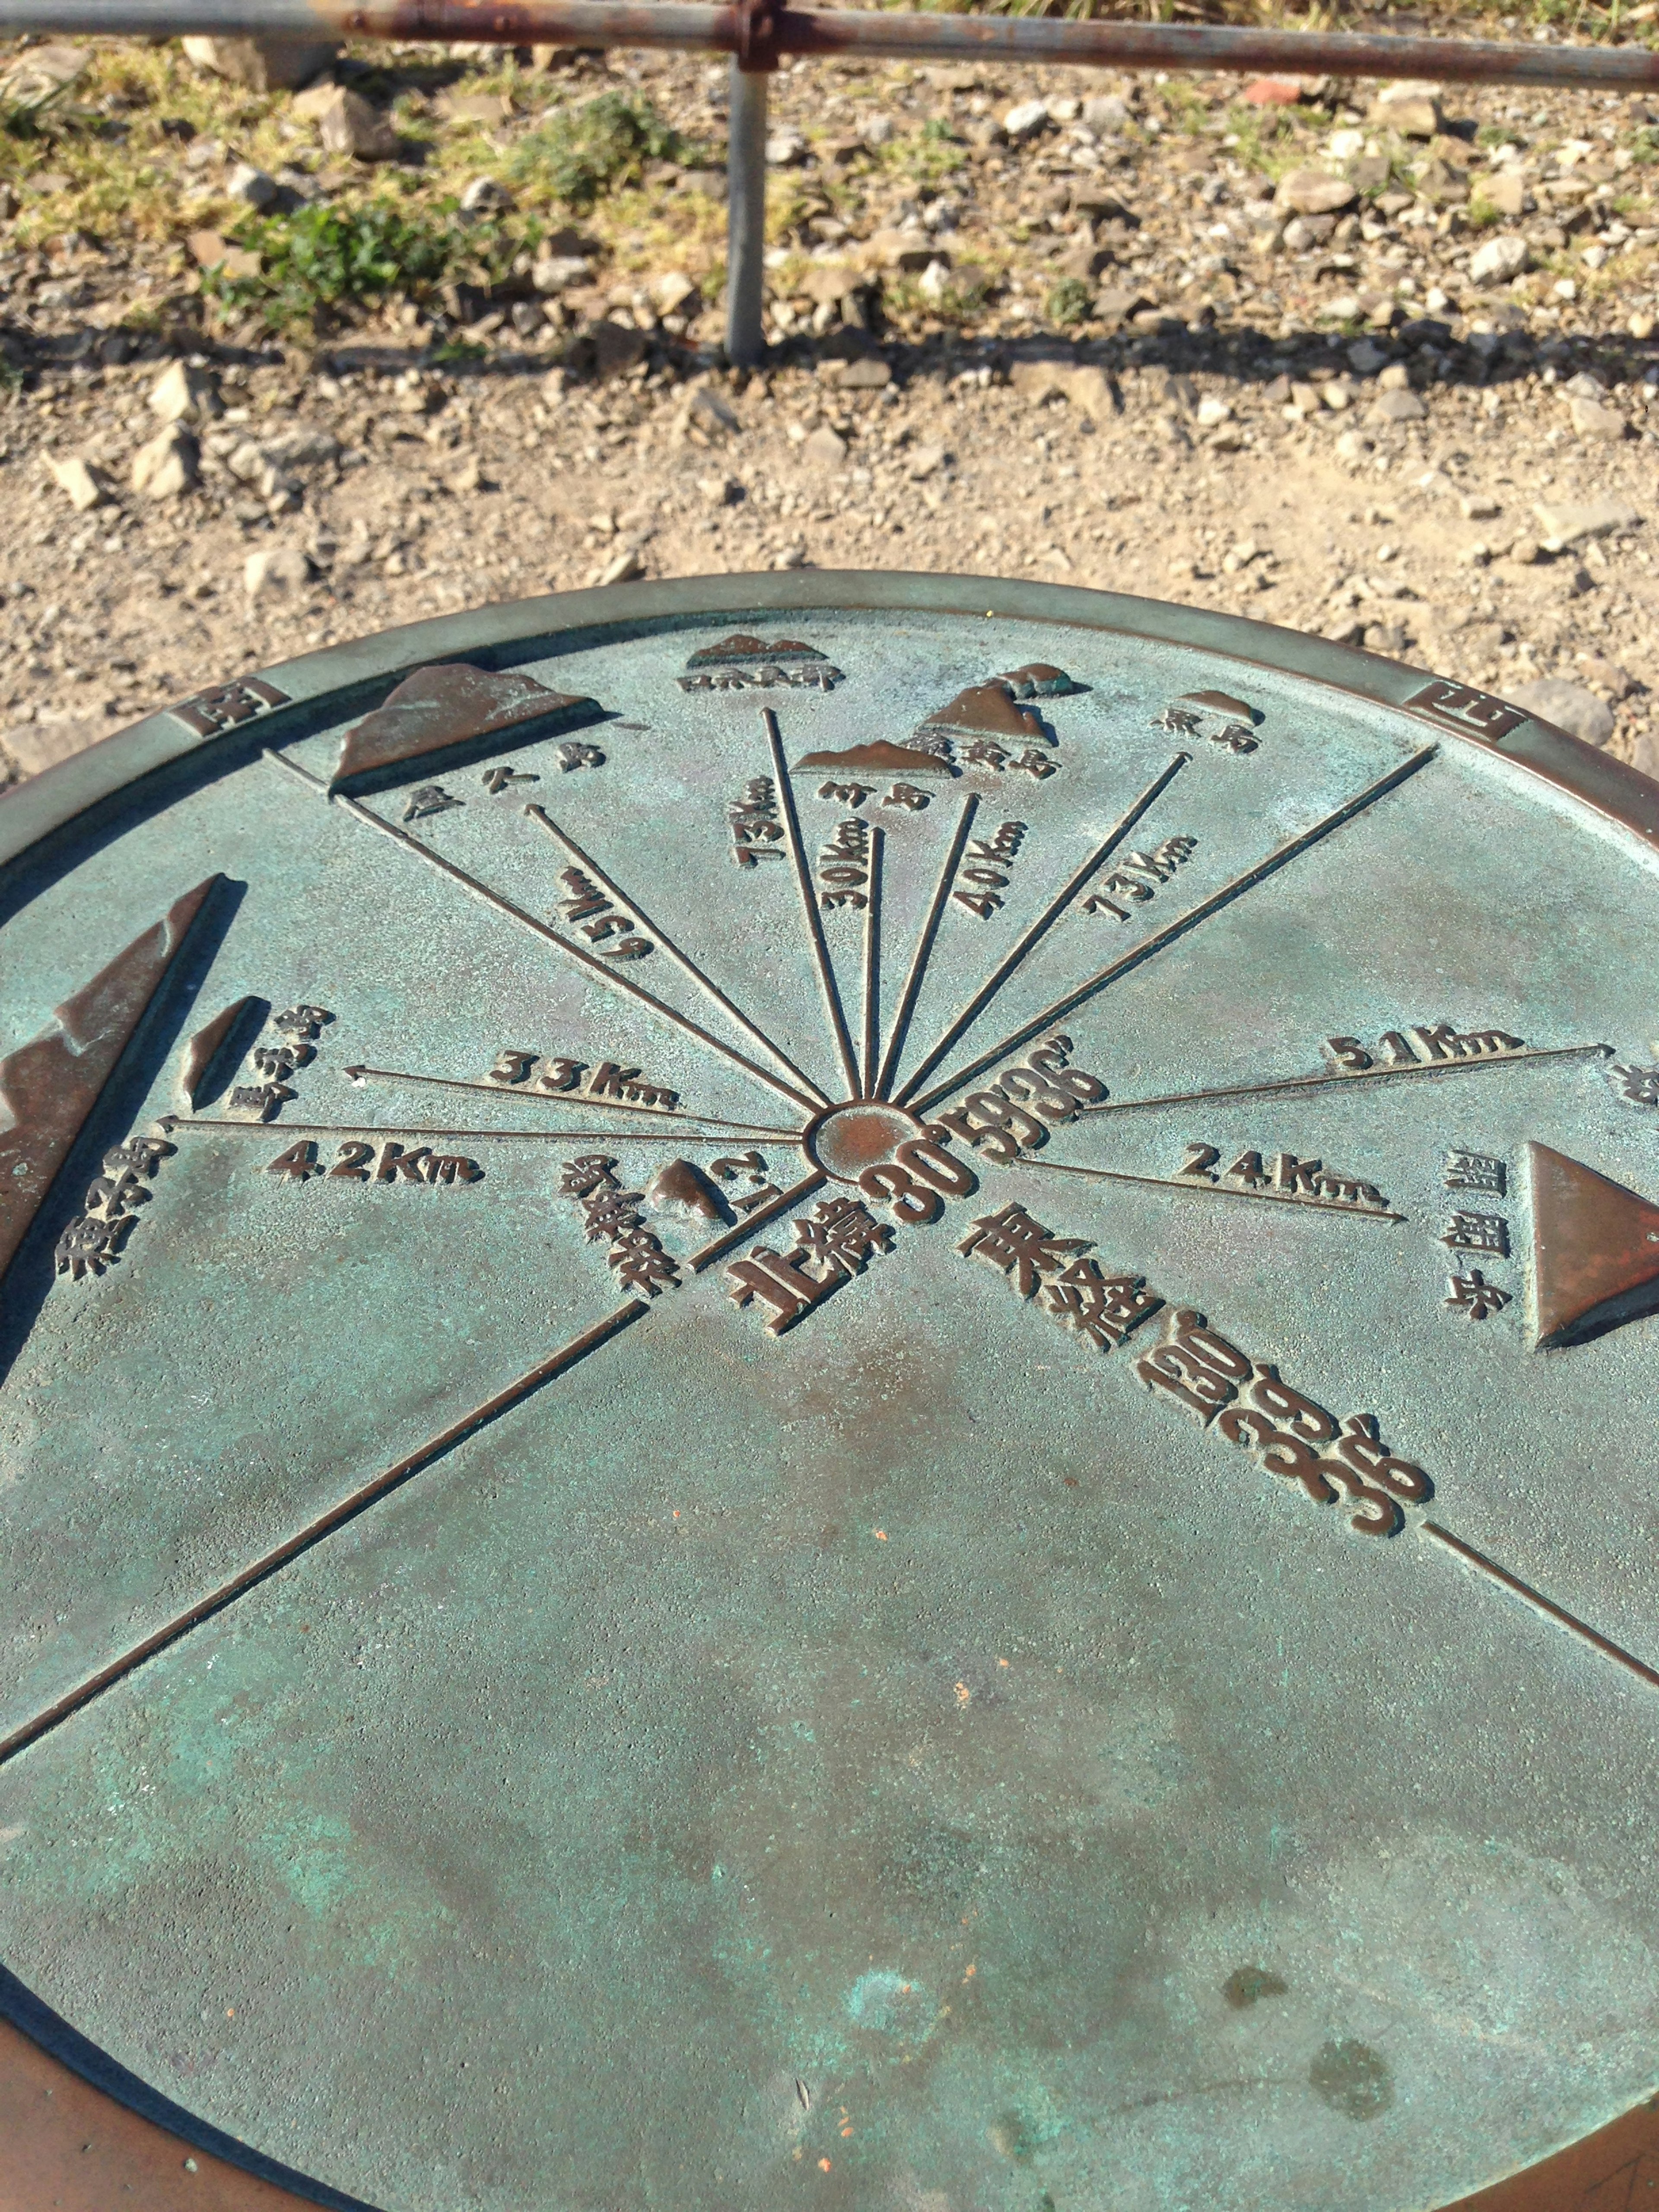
{"x": 606, "y": 1078}
{"x": 1214, "y": 1381}
{"x": 357, "y": 1162}
{"x": 982, "y": 879}
{"x": 1012, "y": 1114}
{"x": 1423, "y": 1045}
{"x": 1139, "y": 875}
{"x": 1287, "y": 1177}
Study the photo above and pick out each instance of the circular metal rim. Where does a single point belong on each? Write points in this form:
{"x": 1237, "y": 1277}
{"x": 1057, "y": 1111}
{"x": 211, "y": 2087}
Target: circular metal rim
{"x": 137, "y": 2119}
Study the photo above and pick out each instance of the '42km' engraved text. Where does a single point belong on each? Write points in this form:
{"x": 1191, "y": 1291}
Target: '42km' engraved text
{"x": 395, "y": 1165}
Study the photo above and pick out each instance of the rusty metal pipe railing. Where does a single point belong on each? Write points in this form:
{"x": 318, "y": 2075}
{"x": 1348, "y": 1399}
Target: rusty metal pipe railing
{"x": 856, "y": 31}
{"x": 756, "y": 33}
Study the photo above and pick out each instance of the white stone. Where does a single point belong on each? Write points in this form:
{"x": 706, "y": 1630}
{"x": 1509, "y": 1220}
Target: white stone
{"x": 825, "y": 449}
{"x": 934, "y": 280}
{"x": 1106, "y": 110}
{"x": 266, "y": 64}
{"x": 347, "y": 123}
{"x": 714, "y": 417}
{"x": 785, "y": 149}
{"x": 1591, "y": 419}
{"x": 1025, "y": 120}
{"x": 483, "y": 195}
{"x": 1213, "y": 410}
{"x": 251, "y": 185}
{"x": 183, "y": 394}
{"x": 876, "y": 130}
{"x": 671, "y": 293}
{"x": 166, "y": 466}
{"x": 620, "y": 568}
{"x": 558, "y": 272}
{"x": 1572, "y": 523}
{"x": 82, "y": 485}
{"x": 1499, "y": 260}
{"x": 275, "y": 571}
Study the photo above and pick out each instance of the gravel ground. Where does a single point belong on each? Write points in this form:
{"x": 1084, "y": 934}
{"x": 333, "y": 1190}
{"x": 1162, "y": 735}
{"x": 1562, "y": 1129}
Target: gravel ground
{"x": 1393, "y": 385}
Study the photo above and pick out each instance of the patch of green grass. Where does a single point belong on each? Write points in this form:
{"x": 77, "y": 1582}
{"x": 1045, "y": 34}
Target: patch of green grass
{"x": 928, "y": 156}
{"x": 582, "y": 152}
{"x": 327, "y": 257}
{"x": 1072, "y": 301}
{"x": 1269, "y": 140}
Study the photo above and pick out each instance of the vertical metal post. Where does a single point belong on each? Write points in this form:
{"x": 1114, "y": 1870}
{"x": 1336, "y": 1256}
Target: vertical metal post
{"x": 746, "y": 216}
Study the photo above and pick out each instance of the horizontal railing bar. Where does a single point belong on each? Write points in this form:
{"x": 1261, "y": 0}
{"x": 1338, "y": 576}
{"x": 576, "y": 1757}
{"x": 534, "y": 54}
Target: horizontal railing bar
{"x": 676, "y": 23}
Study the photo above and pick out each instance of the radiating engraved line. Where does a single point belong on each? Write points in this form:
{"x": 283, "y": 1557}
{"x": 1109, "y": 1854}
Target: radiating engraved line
{"x": 282, "y": 760}
{"x": 544, "y": 930}
{"x": 1178, "y": 927}
{"x": 564, "y": 1101}
{"x": 1570, "y": 1622}
{"x": 751, "y": 1029}
{"x": 920, "y": 957}
{"x": 347, "y": 1509}
{"x": 1039, "y": 928}
{"x": 1353, "y": 1075}
{"x": 786, "y": 791}
{"x": 872, "y": 965}
{"x": 706, "y": 1254}
{"x": 1214, "y": 1189}
{"x": 173, "y": 1125}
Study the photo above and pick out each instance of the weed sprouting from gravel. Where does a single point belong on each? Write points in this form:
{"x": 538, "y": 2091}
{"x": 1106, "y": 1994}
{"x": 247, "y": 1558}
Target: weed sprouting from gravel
{"x": 323, "y": 257}
{"x": 578, "y": 154}
{"x": 1071, "y": 302}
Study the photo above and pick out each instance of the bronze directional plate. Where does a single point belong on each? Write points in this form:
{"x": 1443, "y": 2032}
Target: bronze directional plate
{"x": 836, "y": 1390}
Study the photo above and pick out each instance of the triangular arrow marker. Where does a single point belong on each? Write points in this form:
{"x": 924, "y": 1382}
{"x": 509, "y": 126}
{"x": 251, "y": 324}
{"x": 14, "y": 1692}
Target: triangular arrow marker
{"x": 1595, "y": 1251}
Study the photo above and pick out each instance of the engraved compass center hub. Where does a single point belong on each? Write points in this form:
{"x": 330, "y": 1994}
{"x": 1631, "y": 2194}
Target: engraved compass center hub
{"x": 867, "y": 1133}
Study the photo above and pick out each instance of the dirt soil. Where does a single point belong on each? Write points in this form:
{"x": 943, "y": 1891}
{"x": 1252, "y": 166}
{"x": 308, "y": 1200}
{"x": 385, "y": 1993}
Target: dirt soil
{"x": 1023, "y": 323}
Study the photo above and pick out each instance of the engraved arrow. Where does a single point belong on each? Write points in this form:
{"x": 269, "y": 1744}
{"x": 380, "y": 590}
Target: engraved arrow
{"x": 1214, "y": 1189}
{"x": 1353, "y": 1075}
{"x": 589, "y": 960}
{"x": 1039, "y": 928}
{"x": 1133, "y": 959}
{"x": 755, "y": 1034}
{"x": 832, "y": 1005}
{"x": 361, "y": 1074}
{"x": 174, "y": 1124}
